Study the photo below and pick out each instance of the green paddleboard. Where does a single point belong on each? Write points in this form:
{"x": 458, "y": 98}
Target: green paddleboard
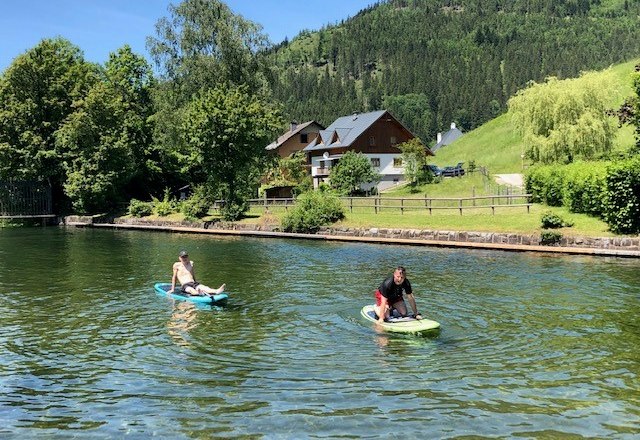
{"x": 401, "y": 325}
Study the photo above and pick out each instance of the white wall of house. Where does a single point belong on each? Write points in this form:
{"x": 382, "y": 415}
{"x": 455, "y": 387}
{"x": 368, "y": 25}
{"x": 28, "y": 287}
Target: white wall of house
{"x": 391, "y": 174}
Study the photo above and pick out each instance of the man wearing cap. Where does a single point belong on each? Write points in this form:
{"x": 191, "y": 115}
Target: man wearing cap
{"x": 183, "y": 272}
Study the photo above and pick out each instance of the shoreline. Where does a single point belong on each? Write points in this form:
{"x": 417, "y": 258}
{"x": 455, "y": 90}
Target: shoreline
{"x": 628, "y": 247}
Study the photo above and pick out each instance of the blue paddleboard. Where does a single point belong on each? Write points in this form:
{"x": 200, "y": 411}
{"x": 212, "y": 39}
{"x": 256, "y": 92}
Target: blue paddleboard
{"x": 163, "y": 288}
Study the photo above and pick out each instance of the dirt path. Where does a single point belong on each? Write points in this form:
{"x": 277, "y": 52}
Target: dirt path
{"x": 510, "y": 179}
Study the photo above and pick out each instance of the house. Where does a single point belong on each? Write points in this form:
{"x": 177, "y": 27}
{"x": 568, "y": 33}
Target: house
{"x": 450, "y": 136}
{"x": 375, "y": 134}
{"x": 298, "y": 137}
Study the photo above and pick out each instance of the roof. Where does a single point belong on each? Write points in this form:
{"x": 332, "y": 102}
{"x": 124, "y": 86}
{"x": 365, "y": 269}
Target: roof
{"x": 345, "y": 130}
{"x": 447, "y": 138}
{"x": 282, "y": 139}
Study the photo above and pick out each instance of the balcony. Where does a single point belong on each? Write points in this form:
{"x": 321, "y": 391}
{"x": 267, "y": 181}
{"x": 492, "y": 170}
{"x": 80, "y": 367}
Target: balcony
{"x": 322, "y": 171}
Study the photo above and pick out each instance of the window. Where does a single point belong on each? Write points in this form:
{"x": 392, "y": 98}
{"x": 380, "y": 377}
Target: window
{"x": 375, "y": 162}
{"x": 304, "y": 138}
{"x": 372, "y": 141}
{"x": 394, "y": 140}
{"x": 397, "y": 162}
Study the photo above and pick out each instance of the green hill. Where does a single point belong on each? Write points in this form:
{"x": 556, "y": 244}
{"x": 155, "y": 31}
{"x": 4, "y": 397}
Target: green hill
{"x": 433, "y": 62}
{"x": 497, "y": 146}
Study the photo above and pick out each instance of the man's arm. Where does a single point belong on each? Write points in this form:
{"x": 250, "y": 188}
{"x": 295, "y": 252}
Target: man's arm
{"x": 173, "y": 278}
{"x": 414, "y": 307}
{"x": 384, "y": 304}
{"x": 193, "y": 271}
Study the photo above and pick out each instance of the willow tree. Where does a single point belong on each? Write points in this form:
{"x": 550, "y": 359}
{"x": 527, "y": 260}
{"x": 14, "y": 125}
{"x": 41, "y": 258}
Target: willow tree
{"x": 565, "y": 120}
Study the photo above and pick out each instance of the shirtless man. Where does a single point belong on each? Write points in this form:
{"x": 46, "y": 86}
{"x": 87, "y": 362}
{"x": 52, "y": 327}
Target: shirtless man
{"x": 183, "y": 272}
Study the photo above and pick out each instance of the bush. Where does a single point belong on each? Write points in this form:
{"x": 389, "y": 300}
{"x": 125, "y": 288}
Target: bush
{"x": 550, "y": 237}
{"x": 585, "y": 187}
{"x": 553, "y": 221}
{"x": 165, "y": 206}
{"x": 622, "y": 209}
{"x": 312, "y": 210}
{"x": 545, "y": 184}
{"x": 196, "y": 206}
{"x": 138, "y": 208}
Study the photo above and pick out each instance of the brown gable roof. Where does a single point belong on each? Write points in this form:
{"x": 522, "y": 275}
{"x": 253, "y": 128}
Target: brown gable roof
{"x": 282, "y": 139}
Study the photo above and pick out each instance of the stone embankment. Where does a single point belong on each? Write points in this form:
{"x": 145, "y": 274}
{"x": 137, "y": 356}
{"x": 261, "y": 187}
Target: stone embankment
{"x": 605, "y": 246}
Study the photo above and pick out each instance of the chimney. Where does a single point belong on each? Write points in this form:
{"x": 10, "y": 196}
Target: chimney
{"x": 355, "y": 116}
{"x": 439, "y": 138}
{"x": 294, "y": 124}
{"x": 453, "y": 125}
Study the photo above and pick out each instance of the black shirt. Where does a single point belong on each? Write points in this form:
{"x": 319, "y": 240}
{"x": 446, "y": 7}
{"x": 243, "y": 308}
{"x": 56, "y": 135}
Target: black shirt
{"x": 393, "y": 291}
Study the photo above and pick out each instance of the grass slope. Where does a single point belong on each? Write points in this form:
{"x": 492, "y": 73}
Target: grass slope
{"x": 497, "y": 146}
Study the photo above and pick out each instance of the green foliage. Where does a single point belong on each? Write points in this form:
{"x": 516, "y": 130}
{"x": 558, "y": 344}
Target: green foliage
{"x": 166, "y": 206}
{"x": 38, "y": 92}
{"x": 197, "y": 205}
{"x": 545, "y": 184}
{"x": 352, "y": 170}
{"x": 551, "y": 220}
{"x": 138, "y": 208}
{"x": 550, "y": 238}
{"x": 563, "y": 121}
{"x": 225, "y": 131}
{"x": 290, "y": 171}
{"x": 312, "y": 210}
{"x": 622, "y": 211}
{"x": 585, "y": 187}
{"x": 414, "y": 159}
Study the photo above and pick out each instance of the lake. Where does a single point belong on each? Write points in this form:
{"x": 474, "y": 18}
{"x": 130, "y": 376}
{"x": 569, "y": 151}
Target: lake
{"x": 531, "y": 345}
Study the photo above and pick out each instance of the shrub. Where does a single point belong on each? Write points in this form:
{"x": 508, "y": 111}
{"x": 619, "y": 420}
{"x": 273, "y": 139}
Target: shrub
{"x": 585, "y": 187}
{"x": 553, "y": 221}
{"x": 545, "y": 184}
{"x": 138, "y": 208}
{"x": 312, "y": 210}
{"x": 550, "y": 237}
{"x": 165, "y": 206}
{"x": 196, "y": 206}
{"x": 622, "y": 209}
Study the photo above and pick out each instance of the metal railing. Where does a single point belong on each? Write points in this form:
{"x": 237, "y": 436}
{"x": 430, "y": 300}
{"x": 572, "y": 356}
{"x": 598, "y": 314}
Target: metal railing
{"x": 25, "y": 199}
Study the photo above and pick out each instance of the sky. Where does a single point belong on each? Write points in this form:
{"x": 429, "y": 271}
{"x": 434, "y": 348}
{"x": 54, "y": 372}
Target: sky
{"x": 99, "y": 27}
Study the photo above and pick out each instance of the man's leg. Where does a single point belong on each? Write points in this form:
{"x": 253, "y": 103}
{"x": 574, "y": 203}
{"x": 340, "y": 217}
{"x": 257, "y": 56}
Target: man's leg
{"x": 206, "y": 290}
{"x": 401, "y": 307}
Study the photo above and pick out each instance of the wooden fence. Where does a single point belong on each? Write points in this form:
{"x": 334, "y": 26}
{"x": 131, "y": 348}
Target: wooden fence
{"x": 378, "y": 204}
{"x": 25, "y": 200}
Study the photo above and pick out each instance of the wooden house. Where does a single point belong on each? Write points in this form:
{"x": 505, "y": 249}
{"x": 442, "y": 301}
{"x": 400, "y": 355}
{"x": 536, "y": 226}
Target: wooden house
{"x": 375, "y": 134}
{"x": 294, "y": 140}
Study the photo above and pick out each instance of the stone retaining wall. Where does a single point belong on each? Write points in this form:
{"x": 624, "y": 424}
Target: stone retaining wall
{"x": 614, "y": 243}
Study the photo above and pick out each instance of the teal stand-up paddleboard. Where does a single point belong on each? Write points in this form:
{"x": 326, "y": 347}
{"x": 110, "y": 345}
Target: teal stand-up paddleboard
{"x": 163, "y": 288}
{"x": 401, "y": 325}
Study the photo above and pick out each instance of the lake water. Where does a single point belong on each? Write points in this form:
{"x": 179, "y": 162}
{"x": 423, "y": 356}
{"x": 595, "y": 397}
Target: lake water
{"x": 531, "y": 345}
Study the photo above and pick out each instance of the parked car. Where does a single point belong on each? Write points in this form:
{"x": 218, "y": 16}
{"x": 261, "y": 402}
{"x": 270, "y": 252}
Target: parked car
{"x": 435, "y": 170}
{"x": 452, "y": 171}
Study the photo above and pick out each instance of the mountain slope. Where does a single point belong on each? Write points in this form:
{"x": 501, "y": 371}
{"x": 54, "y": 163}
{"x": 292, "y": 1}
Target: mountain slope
{"x": 434, "y": 62}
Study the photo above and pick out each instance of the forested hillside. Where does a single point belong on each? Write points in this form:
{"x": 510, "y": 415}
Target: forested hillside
{"x": 433, "y": 62}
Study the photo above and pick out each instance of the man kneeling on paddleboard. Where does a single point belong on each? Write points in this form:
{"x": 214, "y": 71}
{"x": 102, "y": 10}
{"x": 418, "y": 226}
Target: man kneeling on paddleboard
{"x": 183, "y": 272}
{"x": 389, "y": 296}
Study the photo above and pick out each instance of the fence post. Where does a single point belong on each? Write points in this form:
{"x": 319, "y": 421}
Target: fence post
{"x": 473, "y": 194}
{"x": 401, "y": 206}
{"x": 460, "y": 206}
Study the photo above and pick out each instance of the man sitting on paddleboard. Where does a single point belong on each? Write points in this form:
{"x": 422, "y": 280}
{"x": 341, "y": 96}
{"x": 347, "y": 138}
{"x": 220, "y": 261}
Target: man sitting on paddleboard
{"x": 389, "y": 296}
{"x": 183, "y": 272}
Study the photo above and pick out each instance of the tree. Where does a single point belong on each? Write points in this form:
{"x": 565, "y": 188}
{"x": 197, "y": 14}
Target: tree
{"x": 225, "y": 132}
{"x": 105, "y": 142}
{"x": 352, "y": 170}
{"x": 414, "y": 158}
{"x": 629, "y": 112}
{"x": 37, "y": 93}
{"x": 201, "y": 46}
{"x": 562, "y": 121}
